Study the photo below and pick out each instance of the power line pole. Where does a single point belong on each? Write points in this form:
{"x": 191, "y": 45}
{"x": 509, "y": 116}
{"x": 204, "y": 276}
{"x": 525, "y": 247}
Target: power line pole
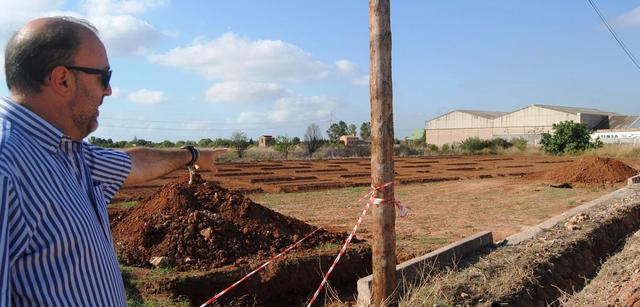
{"x": 382, "y": 139}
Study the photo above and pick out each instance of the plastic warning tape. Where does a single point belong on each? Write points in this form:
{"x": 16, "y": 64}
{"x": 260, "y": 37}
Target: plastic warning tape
{"x": 353, "y": 232}
{"x": 221, "y": 293}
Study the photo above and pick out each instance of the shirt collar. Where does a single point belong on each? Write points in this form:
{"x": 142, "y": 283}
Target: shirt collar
{"x": 42, "y": 131}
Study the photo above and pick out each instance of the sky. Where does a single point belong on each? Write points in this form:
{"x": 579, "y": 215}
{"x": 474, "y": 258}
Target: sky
{"x": 187, "y": 70}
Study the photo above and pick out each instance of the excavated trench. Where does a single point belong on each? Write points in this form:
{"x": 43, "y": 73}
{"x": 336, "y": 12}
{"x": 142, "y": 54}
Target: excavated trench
{"x": 570, "y": 268}
{"x": 287, "y": 282}
{"x": 552, "y": 265}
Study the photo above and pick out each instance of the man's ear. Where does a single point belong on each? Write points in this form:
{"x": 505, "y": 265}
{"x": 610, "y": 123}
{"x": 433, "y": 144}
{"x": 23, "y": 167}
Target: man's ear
{"x": 61, "y": 81}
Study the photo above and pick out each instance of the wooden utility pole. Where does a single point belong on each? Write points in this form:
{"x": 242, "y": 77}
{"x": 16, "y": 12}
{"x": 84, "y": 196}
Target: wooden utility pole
{"x": 382, "y": 139}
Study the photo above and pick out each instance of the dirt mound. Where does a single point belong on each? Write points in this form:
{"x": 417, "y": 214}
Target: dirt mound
{"x": 203, "y": 226}
{"x": 588, "y": 171}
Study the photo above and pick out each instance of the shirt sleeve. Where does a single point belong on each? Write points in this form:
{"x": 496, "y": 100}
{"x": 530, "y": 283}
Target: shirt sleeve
{"x": 7, "y": 201}
{"x": 108, "y": 167}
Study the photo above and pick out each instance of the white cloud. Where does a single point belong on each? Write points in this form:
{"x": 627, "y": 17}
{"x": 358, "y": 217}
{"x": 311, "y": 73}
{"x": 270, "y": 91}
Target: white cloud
{"x": 347, "y": 67}
{"x": 147, "y": 97}
{"x": 122, "y": 32}
{"x": 231, "y": 58}
{"x": 15, "y": 13}
{"x": 352, "y": 72}
{"x": 115, "y": 91}
{"x": 237, "y": 92}
{"x": 125, "y": 34}
{"x": 292, "y": 108}
{"x": 107, "y": 7}
{"x": 629, "y": 19}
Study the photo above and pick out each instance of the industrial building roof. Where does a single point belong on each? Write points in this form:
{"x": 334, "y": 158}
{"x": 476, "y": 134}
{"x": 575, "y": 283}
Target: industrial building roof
{"x": 485, "y": 114}
{"x": 573, "y": 110}
{"x": 622, "y": 122}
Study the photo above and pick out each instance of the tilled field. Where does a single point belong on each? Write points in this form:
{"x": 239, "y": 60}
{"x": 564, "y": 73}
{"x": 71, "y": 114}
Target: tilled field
{"x": 212, "y": 236}
{"x": 308, "y": 175}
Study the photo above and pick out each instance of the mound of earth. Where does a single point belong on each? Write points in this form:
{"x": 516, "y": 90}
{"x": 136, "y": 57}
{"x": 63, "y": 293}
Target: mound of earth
{"x": 588, "y": 171}
{"x": 204, "y": 226}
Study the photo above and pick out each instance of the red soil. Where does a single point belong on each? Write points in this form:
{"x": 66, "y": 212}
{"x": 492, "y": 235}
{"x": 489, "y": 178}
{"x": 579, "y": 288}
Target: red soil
{"x": 589, "y": 171}
{"x": 203, "y": 226}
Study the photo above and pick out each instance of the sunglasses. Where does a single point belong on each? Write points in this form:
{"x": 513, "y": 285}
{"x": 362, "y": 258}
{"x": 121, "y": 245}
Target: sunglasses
{"x": 105, "y": 74}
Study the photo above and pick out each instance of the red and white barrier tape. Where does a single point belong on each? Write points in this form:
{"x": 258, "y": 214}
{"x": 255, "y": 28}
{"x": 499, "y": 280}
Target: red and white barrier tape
{"x": 221, "y": 293}
{"x": 377, "y": 201}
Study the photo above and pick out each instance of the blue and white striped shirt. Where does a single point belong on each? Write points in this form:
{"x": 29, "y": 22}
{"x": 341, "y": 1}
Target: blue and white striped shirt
{"x": 55, "y": 240}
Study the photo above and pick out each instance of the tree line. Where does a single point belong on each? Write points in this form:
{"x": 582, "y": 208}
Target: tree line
{"x": 312, "y": 141}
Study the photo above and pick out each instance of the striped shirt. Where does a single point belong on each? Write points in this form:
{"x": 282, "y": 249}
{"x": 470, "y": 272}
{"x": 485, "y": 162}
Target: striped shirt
{"x": 55, "y": 240}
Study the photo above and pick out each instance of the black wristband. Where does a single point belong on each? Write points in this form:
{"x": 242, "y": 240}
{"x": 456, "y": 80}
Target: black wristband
{"x": 194, "y": 155}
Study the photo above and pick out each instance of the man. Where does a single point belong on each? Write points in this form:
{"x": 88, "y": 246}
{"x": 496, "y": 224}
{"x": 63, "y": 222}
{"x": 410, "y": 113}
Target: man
{"x": 55, "y": 240}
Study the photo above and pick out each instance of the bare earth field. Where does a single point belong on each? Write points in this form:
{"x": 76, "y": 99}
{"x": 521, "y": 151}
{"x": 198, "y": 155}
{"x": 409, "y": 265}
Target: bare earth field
{"x": 309, "y": 175}
{"x": 441, "y": 212}
{"x": 449, "y": 198}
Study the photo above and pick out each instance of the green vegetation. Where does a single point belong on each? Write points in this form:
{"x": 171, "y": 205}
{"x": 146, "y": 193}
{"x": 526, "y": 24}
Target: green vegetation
{"x": 568, "y": 137}
{"x": 124, "y": 204}
{"x": 284, "y": 144}
{"x": 476, "y": 145}
{"x": 240, "y": 142}
{"x": 365, "y": 131}
{"x": 327, "y": 246}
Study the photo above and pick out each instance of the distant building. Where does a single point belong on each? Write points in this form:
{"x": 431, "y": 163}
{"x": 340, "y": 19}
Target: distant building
{"x": 528, "y": 123}
{"x": 619, "y": 130}
{"x": 265, "y": 141}
{"x": 349, "y": 140}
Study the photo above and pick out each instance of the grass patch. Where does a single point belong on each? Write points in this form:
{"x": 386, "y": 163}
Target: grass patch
{"x": 124, "y": 204}
{"x": 572, "y": 202}
{"x": 327, "y": 246}
{"x": 430, "y": 241}
{"x": 134, "y": 298}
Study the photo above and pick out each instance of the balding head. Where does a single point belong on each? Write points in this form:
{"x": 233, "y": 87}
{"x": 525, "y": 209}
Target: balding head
{"x": 40, "y": 46}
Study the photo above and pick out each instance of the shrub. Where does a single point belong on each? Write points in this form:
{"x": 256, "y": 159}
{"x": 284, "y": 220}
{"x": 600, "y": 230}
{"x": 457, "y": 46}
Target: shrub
{"x": 520, "y": 143}
{"x": 568, "y": 137}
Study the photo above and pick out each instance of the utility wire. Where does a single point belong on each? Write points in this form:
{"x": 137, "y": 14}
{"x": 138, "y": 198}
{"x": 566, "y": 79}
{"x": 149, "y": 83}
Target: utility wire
{"x": 618, "y": 39}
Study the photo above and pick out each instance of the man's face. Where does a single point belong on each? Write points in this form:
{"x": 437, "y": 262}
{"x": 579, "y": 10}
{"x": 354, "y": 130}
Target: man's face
{"x": 89, "y": 89}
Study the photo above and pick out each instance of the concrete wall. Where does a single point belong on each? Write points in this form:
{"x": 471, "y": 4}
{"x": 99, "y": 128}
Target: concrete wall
{"x": 449, "y": 136}
{"x": 618, "y": 136}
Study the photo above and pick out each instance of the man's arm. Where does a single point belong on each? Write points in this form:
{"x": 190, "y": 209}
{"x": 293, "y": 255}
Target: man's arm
{"x": 150, "y": 163}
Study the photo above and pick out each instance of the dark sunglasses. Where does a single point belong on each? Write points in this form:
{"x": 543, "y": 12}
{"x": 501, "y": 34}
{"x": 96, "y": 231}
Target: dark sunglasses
{"x": 105, "y": 74}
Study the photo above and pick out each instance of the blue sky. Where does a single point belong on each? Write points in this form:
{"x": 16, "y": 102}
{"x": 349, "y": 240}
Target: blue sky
{"x": 204, "y": 69}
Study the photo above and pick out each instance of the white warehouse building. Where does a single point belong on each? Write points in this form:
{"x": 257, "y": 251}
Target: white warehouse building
{"x": 529, "y": 123}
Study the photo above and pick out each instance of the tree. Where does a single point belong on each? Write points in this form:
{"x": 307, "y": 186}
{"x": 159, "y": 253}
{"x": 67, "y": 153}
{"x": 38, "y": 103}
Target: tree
{"x": 568, "y": 137}
{"x": 100, "y": 142}
{"x": 352, "y": 129}
{"x": 240, "y": 142}
{"x": 365, "y": 131}
{"x": 207, "y": 142}
{"x": 284, "y": 144}
{"x": 312, "y": 138}
{"x": 166, "y": 144}
{"x": 418, "y": 138}
{"x": 335, "y": 131}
